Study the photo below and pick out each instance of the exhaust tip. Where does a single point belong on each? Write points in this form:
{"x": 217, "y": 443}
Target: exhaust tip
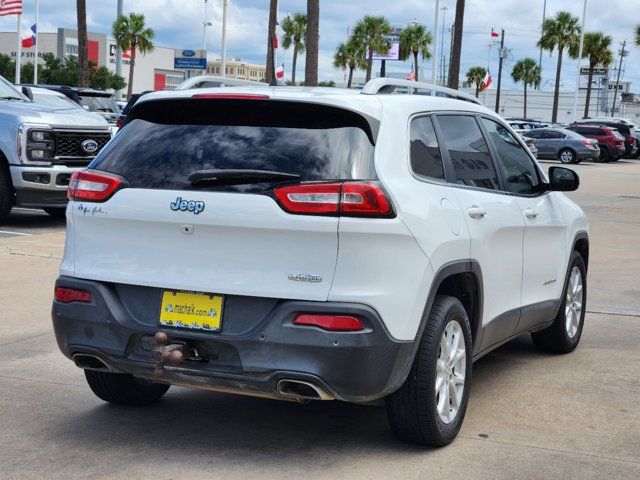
{"x": 301, "y": 390}
{"x": 90, "y": 362}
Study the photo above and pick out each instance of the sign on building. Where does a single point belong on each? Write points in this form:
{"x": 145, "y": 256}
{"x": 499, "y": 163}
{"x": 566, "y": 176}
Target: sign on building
{"x": 191, "y": 63}
{"x": 598, "y": 81}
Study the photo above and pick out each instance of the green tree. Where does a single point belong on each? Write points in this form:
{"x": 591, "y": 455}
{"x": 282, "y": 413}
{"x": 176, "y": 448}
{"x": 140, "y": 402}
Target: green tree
{"x": 415, "y": 40}
{"x": 560, "y": 32}
{"x": 102, "y": 79}
{"x": 597, "y": 48}
{"x": 475, "y": 76}
{"x": 327, "y": 83}
{"x": 295, "y": 31}
{"x": 132, "y": 33}
{"x": 528, "y": 72}
{"x": 60, "y": 72}
{"x": 7, "y": 67}
{"x": 311, "y": 42}
{"x": 350, "y": 55}
{"x": 372, "y": 31}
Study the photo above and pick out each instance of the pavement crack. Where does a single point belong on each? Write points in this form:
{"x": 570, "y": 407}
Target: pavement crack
{"x": 24, "y": 339}
{"x": 548, "y": 449}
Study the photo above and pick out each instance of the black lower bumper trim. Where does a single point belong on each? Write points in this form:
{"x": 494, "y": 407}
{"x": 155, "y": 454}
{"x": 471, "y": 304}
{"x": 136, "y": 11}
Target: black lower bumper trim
{"x": 40, "y": 198}
{"x": 351, "y": 366}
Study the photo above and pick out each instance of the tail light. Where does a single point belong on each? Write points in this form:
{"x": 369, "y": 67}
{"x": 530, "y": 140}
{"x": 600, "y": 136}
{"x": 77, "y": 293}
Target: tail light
{"x": 587, "y": 143}
{"x": 119, "y": 122}
{"x": 69, "y": 295}
{"x": 90, "y": 186}
{"x": 356, "y": 199}
{"x": 335, "y": 323}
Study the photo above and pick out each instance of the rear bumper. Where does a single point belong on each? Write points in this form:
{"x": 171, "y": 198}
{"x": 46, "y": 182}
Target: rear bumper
{"x": 588, "y": 153}
{"x": 350, "y": 366}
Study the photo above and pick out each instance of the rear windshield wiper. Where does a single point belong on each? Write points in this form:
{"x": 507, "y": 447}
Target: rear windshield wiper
{"x": 237, "y": 177}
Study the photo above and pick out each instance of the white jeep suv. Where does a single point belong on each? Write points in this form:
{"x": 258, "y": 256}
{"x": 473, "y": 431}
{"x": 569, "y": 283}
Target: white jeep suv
{"x": 316, "y": 244}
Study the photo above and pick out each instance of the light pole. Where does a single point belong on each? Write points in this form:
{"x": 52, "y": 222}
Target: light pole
{"x": 223, "y": 55}
{"x": 434, "y": 71}
{"x": 575, "y": 97}
{"x": 544, "y": 14}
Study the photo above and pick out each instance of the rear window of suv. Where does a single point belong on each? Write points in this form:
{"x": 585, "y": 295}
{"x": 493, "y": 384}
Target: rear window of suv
{"x": 165, "y": 141}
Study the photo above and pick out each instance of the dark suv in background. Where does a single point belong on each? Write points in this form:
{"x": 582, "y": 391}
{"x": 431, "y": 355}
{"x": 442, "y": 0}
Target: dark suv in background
{"x": 611, "y": 142}
{"x": 92, "y": 100}
{"x": 632, "y": 149}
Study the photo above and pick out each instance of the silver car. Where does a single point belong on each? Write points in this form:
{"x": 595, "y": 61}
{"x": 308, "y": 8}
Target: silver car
{"x": 563, "y": 145}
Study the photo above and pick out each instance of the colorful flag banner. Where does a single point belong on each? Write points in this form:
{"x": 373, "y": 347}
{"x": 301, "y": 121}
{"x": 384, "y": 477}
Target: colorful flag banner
{"x": 28, "y": 37}
{"x": 10, "y": 7}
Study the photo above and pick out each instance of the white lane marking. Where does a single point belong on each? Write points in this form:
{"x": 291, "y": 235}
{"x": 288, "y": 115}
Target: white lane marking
{"x": 16, "y": 233}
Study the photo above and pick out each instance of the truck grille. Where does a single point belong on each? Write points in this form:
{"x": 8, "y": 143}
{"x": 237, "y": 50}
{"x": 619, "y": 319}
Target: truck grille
{"x": 68, "y": 148}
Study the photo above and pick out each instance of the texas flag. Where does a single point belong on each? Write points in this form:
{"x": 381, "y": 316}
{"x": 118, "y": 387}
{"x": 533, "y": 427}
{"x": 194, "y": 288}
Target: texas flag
{"x": 486, "y": 81}
{"x": 280, "y": 72}
{"x": 494, "y": 34}
{"x": 28, "y": 37}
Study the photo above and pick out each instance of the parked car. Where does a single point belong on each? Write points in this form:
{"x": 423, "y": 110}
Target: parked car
{"x": 610, "y": 141}
{"x": 531, "y": 145}
{"x": 90, "y": 99}
{"x": 631, "y": 142}
{"x": 317, "y": 244}
{"x": 44, "y": 96}
{"x": 127, "y": 108}
{"x": 563, "y": 145}
{"x": 41, "y": 146}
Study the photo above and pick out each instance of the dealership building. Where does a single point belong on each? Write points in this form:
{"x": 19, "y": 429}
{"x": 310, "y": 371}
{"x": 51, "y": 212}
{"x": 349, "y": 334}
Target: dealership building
{"x": 161, "y": 69}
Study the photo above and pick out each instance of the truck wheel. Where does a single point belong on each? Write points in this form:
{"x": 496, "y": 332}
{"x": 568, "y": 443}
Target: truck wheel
{"x": 124, "y": 389}
{"x": 429, "y": 407}
{"x": 566, "y": 156}
{"x": 564, "y": 334}
{"x": 56, "y": 212}
{"x": 6, "y": 193}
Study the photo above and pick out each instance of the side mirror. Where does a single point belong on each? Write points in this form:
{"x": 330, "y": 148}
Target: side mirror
{"x": 86, "y": 107}
{"x": 563, "y": 179}
{"x": 26, "y": 91}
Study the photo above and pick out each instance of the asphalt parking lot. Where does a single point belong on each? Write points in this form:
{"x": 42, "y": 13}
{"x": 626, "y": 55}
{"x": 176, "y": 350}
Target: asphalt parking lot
{"x": 531, "y": 415}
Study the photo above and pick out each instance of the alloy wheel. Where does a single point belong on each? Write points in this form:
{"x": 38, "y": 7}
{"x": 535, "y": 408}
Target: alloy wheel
{"x": 450, "y": 372}
{"x": 566, "y": 157}
{"x": 573, "y": 303}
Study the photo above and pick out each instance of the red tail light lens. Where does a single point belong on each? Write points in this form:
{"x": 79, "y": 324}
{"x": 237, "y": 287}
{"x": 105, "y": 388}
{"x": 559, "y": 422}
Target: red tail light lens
{"x": 68, "y": 295}
{"x": 119, "y": 122}
{"x": 92, "y": 187}
{"x": 335, "y": 323}
{"x": 357, "y": 199}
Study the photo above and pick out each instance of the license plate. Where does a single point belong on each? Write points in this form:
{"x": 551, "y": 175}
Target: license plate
{"x": 193, "y": 310}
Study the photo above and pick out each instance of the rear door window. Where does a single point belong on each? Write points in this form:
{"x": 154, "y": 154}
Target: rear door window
{"x": 426, "y": 160}
{"x": 468, "y": 151}
{"x": 165, "y": 141}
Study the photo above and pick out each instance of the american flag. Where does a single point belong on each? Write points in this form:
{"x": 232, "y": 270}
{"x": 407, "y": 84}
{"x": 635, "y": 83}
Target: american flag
{"x": 411, "y": 76}
{"x": 10, "y": 7}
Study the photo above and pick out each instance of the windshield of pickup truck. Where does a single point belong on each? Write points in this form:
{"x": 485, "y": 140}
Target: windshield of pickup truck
{"x": 7, "y": 92}
{"x": 55, "y": 101}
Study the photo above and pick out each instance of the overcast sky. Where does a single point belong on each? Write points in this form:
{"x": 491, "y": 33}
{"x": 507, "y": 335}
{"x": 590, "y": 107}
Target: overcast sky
{"x": 178, "y": 23}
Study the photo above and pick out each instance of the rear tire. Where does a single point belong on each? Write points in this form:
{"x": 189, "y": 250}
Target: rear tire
{"x": 6, "y": 192}
{"x": 428, "y": 409}
{"x": 56, "y": 212}
{"x": 605, "y": 157}
{"x": 564, "y": 334}
{"x": 567, "y": 156}
{"x": 124, "y": 389}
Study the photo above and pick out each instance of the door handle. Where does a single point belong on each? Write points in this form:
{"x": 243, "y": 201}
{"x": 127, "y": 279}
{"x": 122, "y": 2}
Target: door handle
{"x": 476, "y": 212}
{"x": 531, "y": 214}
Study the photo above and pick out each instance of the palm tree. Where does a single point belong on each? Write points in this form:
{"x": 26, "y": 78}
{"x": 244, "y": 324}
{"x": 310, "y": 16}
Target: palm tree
{"x": 597, "y": 48}
{"x": 131, "y": 33}
{"x": 269, "y": 73}
{"x": 561, "y": 32}
{"x": 456, "y": 47}
{"x": 638, "y": 35}
{"x": 371, "y": 32}
{"x": 350, "y": 55}
{"x": 311, "y": 43}
{"x": 475, "y": 76}
{"x": 295, "y": 30}
{"x": 83, "y": 53}
{"x": 528, "y": 72}
{"x": 415, "y": 39}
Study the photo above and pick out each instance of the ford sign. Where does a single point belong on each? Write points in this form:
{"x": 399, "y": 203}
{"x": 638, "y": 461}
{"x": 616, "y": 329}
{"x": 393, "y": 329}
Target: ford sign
{"x": 188, "y": 53}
